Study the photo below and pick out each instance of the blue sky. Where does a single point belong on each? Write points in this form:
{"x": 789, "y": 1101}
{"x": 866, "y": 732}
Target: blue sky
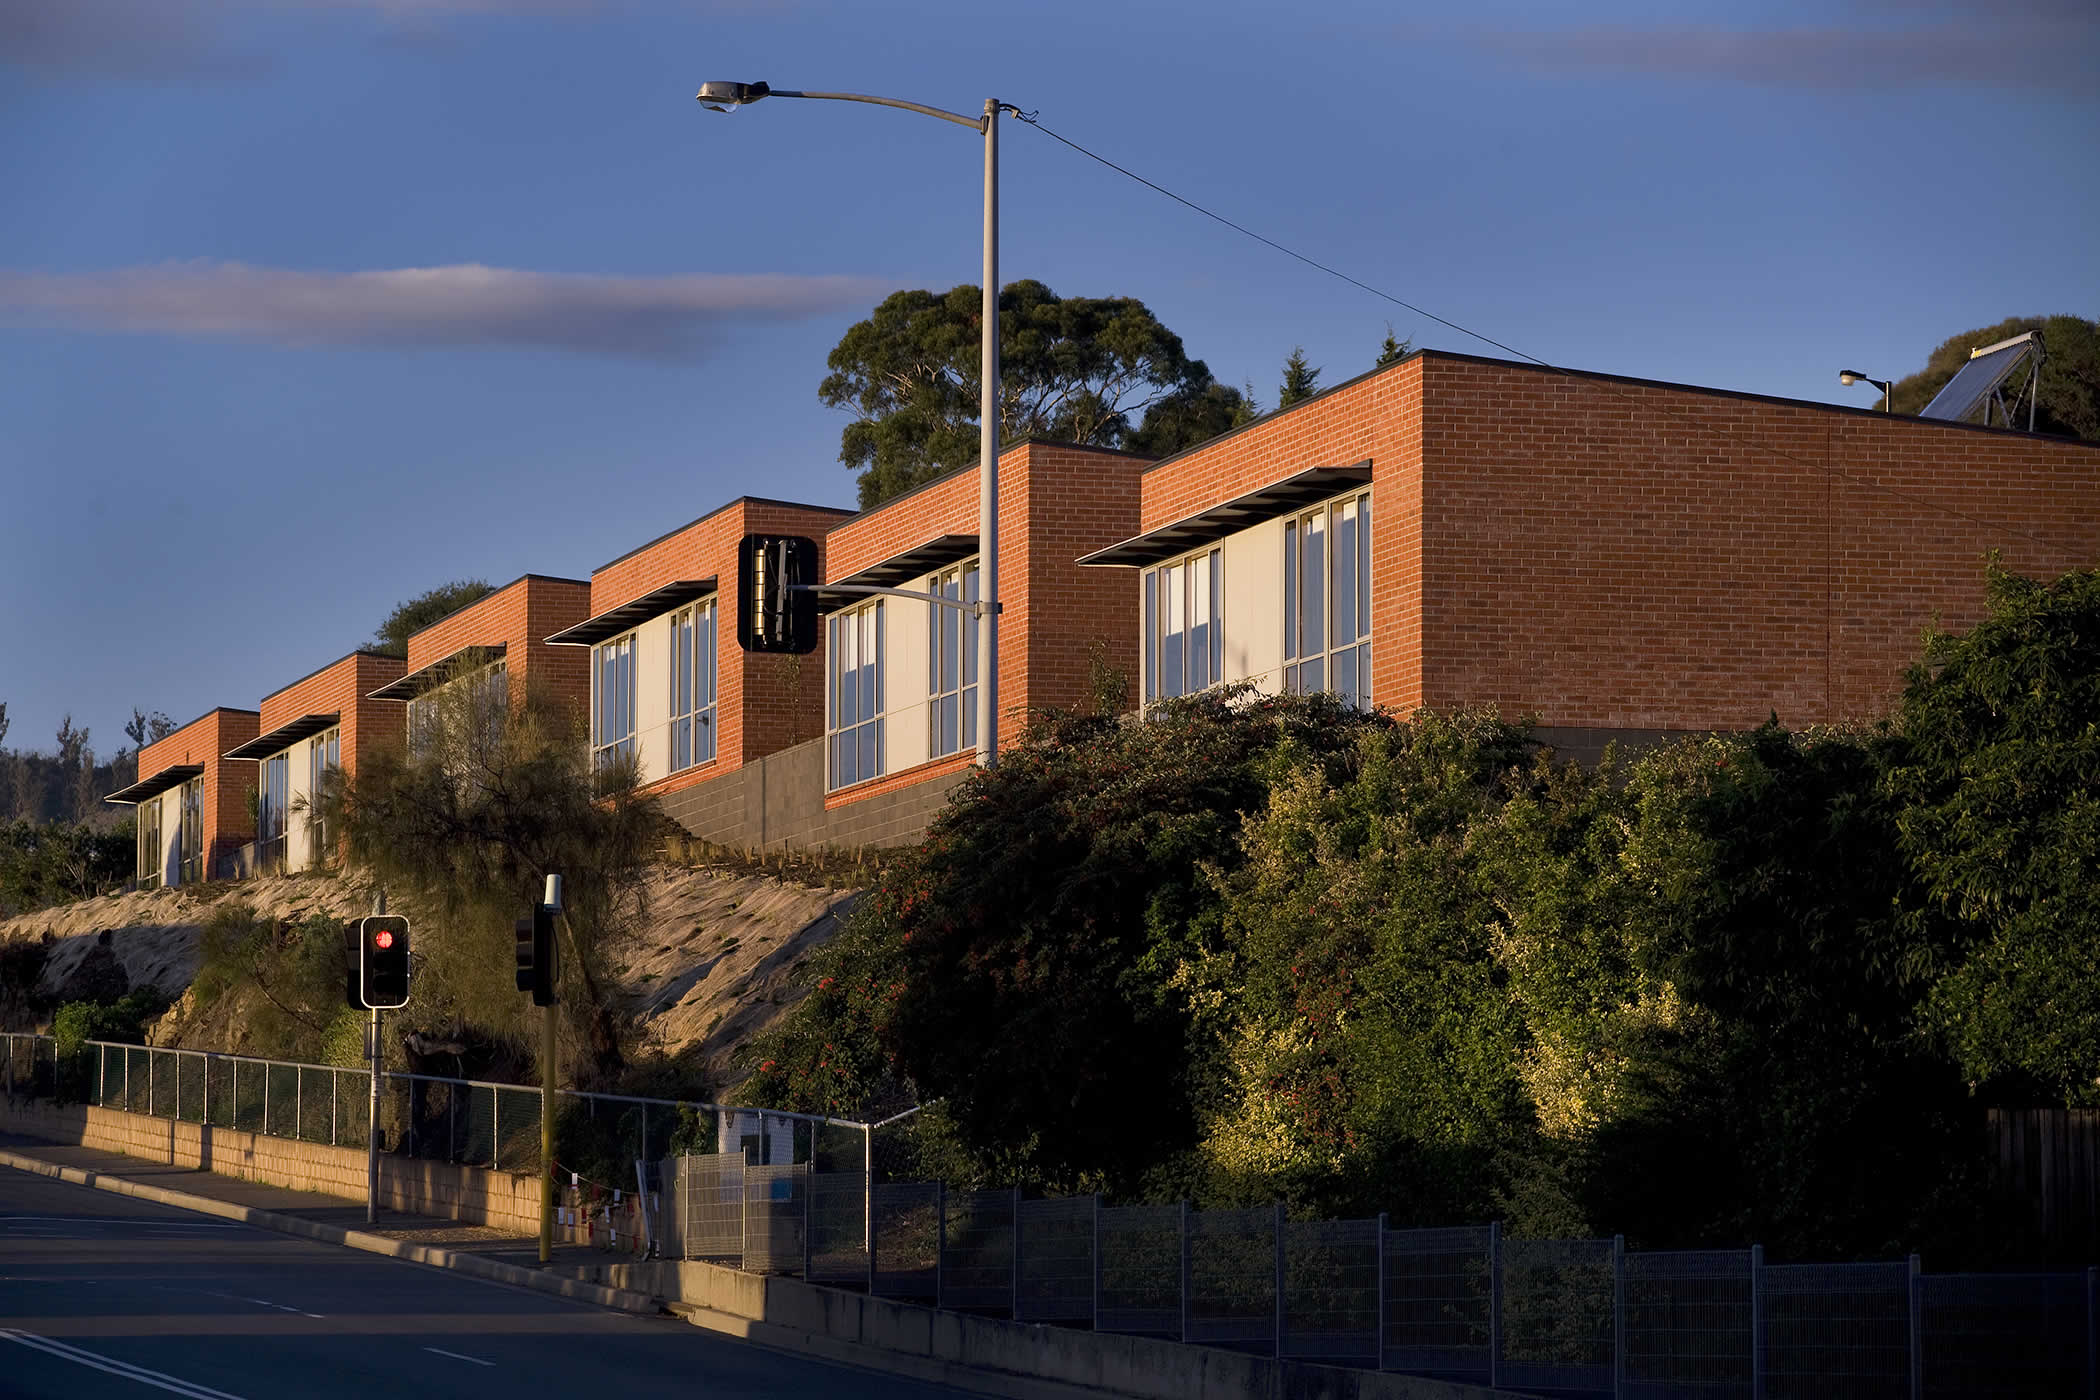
{"x": 309, "y": 305}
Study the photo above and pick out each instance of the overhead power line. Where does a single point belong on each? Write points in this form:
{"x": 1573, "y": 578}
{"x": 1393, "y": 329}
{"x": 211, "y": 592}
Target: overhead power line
{"x": 1033, "y": 119}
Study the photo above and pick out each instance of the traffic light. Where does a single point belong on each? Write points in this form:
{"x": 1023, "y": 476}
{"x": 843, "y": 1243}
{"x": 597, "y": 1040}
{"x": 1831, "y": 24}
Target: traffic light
{"x": 353, "y": 962}
{"x": 539, "y": 957}
{"x": 382, "y": 961}
{"x": 776, "y": 609}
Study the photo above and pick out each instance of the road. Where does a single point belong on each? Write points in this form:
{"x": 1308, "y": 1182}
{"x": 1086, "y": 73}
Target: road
{"x": 103, "y": 1295}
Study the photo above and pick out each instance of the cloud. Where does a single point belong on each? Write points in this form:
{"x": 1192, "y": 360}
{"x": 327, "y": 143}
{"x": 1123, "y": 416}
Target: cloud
{"x": 2027, "y": 45}
{"x": 164, "y": 39}
{"x": 461, "y": 306}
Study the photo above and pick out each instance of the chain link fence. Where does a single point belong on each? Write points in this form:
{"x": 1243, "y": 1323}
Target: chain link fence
{"x": 793, "y": 1195}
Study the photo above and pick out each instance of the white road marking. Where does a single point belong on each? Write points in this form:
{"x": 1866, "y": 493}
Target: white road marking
{"x": 114, "y": 1367}
{"x": 457, "y": 1357}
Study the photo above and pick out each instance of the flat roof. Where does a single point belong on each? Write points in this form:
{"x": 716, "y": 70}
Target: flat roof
{"x": 633, "y": 613}
{"x": 1214, "y": 523}
{"x": 430, "y": 677}
{"x": 1601, "y": 376}
{"x": 285, "y": 735}
{"x": 521, "y": 578}
{"x": 360, "y": 651}
{"x": 726, "y": 505}
{"x": 173, "y": 776}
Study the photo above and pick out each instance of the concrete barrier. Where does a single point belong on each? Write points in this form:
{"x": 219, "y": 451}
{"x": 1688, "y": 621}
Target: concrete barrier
{"x": 804, "y": 1317}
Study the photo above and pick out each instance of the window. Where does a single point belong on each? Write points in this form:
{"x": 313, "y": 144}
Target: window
{"x": 272, "y": 795}
{"x": 693, "y": 685}
{"x": 324, "y": 753}
{"x": 1184, "y": 626}
{"x": 191, "y": 852}
{"x": 612, "y": 701}
{"x": 152, "y": 856}
{"x": 854, "y": 698}
{"x": 951, "y": 664}
{"x": 1327, "y": 601}
{"x": 484, "y": 691}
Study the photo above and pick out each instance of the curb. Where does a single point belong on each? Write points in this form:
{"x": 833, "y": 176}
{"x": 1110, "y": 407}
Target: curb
{"x": 460, "y": 1261}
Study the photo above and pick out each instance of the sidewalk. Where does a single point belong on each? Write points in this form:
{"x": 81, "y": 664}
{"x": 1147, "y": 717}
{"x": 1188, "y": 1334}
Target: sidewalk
{"x": 488, "y": 1253}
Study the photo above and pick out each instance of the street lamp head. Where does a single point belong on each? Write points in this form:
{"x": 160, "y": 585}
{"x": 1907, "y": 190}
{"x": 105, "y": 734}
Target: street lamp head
{"x": 1849, "y": 376}
{"x": 723, "y": 97}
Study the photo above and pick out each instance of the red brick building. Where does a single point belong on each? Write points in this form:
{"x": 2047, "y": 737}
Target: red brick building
{"x": 666, "y": 682}
{"x": 1605, "y": 554}
{"x": 496, "y": 646}
{"x": 192, "y": 800}
{"x": 324, "y": 720}
{"x": 888, "y": 702}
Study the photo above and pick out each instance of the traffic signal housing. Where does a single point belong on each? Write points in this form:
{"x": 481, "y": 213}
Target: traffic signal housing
{"x": 539, "y": 967}
{"x": 776, "y": 604}
{"x": 382, "y": 961}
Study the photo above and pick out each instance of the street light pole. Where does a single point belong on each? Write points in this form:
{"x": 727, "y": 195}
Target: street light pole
{"x": 988, "y": 460}
{"x": 725, "y": 97}
{"x": 1850, "y": 377}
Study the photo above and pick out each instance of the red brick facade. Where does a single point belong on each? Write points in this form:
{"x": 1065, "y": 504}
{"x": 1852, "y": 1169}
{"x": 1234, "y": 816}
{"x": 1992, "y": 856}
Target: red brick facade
{"x": 764, "y": 702}
{"x": 229, "y": 783}
{"x": 1614, "y": 553}
{"x": 519, "y": 617}
{"x": 344, "y": 688}
{"x": 1057, "y": 502}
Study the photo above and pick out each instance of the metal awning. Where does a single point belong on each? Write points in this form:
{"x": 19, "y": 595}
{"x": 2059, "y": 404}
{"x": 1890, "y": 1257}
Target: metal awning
{"x": 145, "y": 788}
{"x": 430, "y": 677}
{"x": 285, "y": 735}
{"x": 614, "y": 621}
{"x": 922, "y": 558}
{"x": 1210, "y": 525}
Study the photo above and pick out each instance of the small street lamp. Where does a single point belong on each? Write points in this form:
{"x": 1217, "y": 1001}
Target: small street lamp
{"x": 1888, "y": 390}
{"x": 727, "y": 97}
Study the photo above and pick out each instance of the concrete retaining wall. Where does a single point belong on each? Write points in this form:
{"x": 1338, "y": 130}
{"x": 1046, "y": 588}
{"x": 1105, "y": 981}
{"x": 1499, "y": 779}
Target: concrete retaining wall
{"x": 1146, "y": 1367}
{"x": 507, "y": 1201}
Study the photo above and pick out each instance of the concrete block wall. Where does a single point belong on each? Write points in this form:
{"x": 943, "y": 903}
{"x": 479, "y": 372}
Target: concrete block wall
{"x": 779, "y": 800}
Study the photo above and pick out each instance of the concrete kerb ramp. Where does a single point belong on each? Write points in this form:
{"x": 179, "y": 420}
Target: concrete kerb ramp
{"x": 1026, "y": 1359}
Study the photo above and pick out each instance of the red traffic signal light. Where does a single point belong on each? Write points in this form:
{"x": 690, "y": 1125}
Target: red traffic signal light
{"x": 382, "y": 961}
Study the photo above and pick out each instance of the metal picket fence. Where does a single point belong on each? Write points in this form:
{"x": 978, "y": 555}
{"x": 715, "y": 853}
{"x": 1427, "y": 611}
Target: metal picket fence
{"x": 1568, "y": 1317}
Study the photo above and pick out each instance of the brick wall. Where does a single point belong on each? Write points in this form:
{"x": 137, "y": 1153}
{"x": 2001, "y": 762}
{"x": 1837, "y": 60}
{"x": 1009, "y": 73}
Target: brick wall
{"x": 763, "y": 702}
{"x": 1617, "y": 554}
{"x": 520, "y": 617}
{"x": 228, "y": 782}
{"x": 1613, "y": 554}
{"x": 1056, "y": 503}
{"x": 343, "y": 687}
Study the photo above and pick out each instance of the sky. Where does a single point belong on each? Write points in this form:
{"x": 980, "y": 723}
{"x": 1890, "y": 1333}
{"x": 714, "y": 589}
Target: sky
{"x": 307, "y": 306}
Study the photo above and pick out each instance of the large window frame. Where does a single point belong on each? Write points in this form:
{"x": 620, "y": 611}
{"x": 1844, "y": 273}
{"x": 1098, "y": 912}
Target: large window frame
{"x": 612, "y": 701}
{"x": 1327, "y": 599}
{"x": 1184, "y": 617}
{"x": 693, "y": 685}
{"x": 485, "y": 690}
{"x": 323, "y": 752}
{"x": 951, "y": 663}
{"x": 191, "y": 851}
{"x": 855, "y": 701}
{"x": 153, "y": 856}
{"x": 273, "y": 797}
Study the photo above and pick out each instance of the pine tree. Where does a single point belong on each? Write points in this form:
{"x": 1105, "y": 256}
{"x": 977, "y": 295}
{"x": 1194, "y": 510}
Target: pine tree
{"x": 1393, "y": 349}
{"x": 1300, "y": 380}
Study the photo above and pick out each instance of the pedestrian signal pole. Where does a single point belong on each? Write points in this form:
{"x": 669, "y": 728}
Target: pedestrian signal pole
{"x": 538, "y": 973}
{"x": 380, "y": 980}
{"x": 372, "y": 1084}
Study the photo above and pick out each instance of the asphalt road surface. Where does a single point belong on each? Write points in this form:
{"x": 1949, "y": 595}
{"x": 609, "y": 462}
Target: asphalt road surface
{"x": 103, "y": 1295}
